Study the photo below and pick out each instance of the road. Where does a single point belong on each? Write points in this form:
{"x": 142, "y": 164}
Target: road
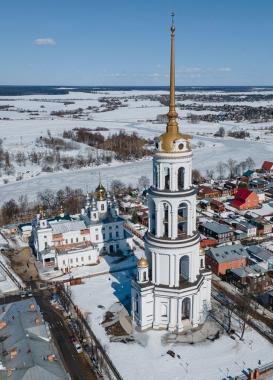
{"x": 76, "y": 364}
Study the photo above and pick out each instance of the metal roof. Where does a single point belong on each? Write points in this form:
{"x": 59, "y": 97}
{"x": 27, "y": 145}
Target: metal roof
{"x": 217, "y": 227}
{"x": 227, "y": 253}
{"x": 67, "y": 226}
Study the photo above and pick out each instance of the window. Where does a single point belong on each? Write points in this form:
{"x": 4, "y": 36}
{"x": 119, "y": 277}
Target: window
{"x": 66, "y": 241}
{"x": 164, "y": 310}
{"x": 110, "y": 235}
{"x": 71, "y": 240}
{"x": 84, "y": 238}
{"x": 97, "y": 237}
{"x": 102, "y": 207}
{"x": 117, "y": 234}
{"x": 77, "y": 259}
{"x": 117, "y": 226}
{"x": 45, "y": 237}
{"x": 71, "y": 261}
{"x": 63, "y": 262}
{"x": 95, "y": 215}
{"x": 89, "y": 258}
{"x": 110, "y": 227}
{"x": 103, "y": 236}
{"x": 82, "y": 258}
{"x": 77, "y": 239}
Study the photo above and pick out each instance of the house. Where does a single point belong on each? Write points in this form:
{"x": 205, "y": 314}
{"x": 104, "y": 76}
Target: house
{"x": 264, "y": 227}
{"x": 25, "y": 230}
{"x": 218, "y": 231}
{"x": 253, "y": 277}
{"x": 205, "y": 191}
{"x": 217, "y": 206}
{"x": 27, "y": 348}
{"x": 245, "y": 199}
{"x": 247, "y": 227}
{"x": 258, "y": 183}
{"x": 267, "y": 166}
{"x": 261, "y": 256}
{"x": 261, "y": 195}
{"x": 221, "y": 259}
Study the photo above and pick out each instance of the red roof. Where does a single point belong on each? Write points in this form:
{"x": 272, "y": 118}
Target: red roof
{"x": 236, "y": 203}
{"x": 267, "y": 165}
{"x": 242, "y": 194}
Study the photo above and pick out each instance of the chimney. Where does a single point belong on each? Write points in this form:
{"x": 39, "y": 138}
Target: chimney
{"x": 32, "y": 307}
{"x": 13, "y": 353}
{"x": 3, "y": 324}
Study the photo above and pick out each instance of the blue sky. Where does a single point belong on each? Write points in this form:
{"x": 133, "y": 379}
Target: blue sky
{"x": 127, "y": 42}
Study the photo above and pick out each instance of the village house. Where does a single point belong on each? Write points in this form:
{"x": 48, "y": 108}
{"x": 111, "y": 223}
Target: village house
{"x": 205, "y": 191}
{"x": 254, "y": 278}
{"x": 261, "y": 256}
{"x": 247, "y": 227}
{"x": 221, "y": 259}
{"x": 267, "y": 166}
{"x": 218, "y": 231}
{"x": 245, "y": 199}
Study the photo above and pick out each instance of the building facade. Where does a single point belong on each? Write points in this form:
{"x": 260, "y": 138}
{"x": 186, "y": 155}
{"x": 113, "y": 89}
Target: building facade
{"x": 65, "y": 242}
{"x": 172, "y": 288}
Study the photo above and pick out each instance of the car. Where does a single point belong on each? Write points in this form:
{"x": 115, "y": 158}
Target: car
{"x": 78, "y": 347}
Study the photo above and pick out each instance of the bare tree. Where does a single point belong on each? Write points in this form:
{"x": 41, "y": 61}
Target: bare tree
{"x": 143, "y": 182}
{"x": 221, "y": 169}
{"x": 210, "y": 174}
{"x": 250, "y": 164}
{"x": 231, "y": 165}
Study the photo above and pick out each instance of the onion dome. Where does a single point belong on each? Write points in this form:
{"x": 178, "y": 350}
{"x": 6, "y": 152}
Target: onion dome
{"x": 100, "y": 192}
{"x": 142, "y": 263}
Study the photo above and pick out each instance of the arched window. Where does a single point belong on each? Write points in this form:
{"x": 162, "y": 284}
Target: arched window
{"x": 202, "y": 263}
{"x": 182, "y": 220}
{"x": 180, "y": 178}
{"x": 136, "y": 309}
{"x": 184, "y": 268}
{"x": 167, "y": 179}
{"x": 166, "y": 220}
{"x": 152, "y": 216}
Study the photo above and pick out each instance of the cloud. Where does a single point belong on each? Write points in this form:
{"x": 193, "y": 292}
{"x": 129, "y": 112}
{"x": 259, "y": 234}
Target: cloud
{"x": 44, "y": 42}
{"x": 224, "y": 69}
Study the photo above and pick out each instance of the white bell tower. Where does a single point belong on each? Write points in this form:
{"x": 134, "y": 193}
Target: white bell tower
{"x": 178, "y": 294}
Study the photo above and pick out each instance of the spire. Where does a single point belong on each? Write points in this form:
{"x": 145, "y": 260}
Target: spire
{"x": 172, "y": 125}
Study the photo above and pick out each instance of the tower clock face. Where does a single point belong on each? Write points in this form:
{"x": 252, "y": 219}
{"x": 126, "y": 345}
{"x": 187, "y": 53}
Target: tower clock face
{"x": 180, "y": 146}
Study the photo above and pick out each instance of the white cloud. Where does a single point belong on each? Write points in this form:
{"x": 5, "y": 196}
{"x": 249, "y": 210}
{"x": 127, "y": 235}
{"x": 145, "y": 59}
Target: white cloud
{"x": 225, "y": 69}
{"x": 44, "y": 42}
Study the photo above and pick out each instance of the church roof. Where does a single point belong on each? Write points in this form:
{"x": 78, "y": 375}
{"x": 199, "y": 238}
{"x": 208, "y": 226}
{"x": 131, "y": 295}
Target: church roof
{"x": 67, "y": 226}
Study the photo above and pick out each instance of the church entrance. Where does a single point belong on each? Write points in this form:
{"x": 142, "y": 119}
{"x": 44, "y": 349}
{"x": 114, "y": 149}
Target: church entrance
{"x": 186, "y": 308}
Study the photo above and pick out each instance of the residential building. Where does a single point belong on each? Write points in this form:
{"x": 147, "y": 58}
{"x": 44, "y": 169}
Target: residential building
{"x": 267, "y": 166}
{"x": 245, "y": 199}
{"x": 261, "y": 255}
{"x": 27, "y": 348}
{"x": 221, "y": 259}
{"x": 218, "y": 231}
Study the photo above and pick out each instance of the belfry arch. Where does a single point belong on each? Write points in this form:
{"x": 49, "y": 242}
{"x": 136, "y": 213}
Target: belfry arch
{"x": 182, "y": 219}
{"x": 184, "y": 268}
{"x": 181, "y": 178}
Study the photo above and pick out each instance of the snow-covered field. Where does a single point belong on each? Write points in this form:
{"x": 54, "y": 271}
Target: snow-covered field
{"x": 147, "y": 357}
{"x": 20, "y": 131}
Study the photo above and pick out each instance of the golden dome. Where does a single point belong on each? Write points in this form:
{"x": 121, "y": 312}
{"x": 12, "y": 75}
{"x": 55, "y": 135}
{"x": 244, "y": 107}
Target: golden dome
{"x": 100, "y": 192}
{"x": 142, "y": 263}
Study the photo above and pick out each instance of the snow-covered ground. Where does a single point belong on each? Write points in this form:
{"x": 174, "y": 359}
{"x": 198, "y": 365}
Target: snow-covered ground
{"x": 147, "y": 357}
{"x": 20, "y": 131}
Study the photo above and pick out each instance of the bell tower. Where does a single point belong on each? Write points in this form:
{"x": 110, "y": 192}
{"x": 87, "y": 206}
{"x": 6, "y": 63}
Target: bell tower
{"x": 180, "y": 290}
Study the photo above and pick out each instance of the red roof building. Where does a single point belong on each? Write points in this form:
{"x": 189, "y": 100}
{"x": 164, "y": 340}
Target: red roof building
{"x": 245, "y": 199}
{"x": 267, "y": 166}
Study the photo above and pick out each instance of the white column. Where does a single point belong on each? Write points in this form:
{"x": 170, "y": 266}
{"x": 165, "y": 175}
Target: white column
{"x": 195, "y": 310}
{"x": 156, "y": 313}
{"x": 179, "y": 316}
{"x": 173, "y": 314}
{"x": 157, "y": 269}
{"x": 153, "y": 267}
{"x": 157, "y": 220}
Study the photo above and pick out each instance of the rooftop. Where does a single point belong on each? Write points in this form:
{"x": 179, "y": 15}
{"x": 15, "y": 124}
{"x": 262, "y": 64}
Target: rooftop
{"x": 227, "y": 253}
{"x": 26, "y": 346}
{"x": 218, "y": 228}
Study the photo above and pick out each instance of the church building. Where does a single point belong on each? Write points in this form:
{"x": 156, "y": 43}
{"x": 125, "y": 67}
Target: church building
{"x": 172, "y": 290}
{"x": 68, "y": 241}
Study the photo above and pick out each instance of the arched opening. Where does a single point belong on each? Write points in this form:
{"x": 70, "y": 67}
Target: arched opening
{"x": 166, "y": 224}
{"x": 182, "y": 220}
{"x": 186, "y": 308}
{"x": 152, "y": 216}
{"x": 167, "y": 179}
{"x": 136, "y": 304}
{"x": 202, "y": 263}
{"x": 184, "y": 268}
{"x": 180, "y": 179}
{"x": 144, "y": 276}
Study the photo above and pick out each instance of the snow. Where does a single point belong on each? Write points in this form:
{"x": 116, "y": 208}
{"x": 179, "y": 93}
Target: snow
{"x": 20, "y": 133}
{"x": 147, "y": 359}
